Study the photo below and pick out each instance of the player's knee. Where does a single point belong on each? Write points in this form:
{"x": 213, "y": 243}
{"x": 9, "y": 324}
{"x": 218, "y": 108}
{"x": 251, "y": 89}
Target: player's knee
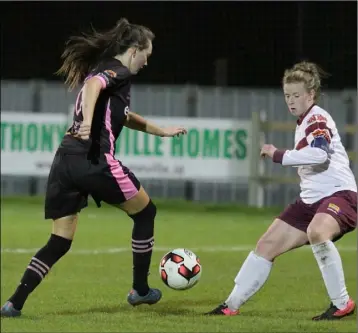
{"x": 149, "y": 212}
{"x": 317, "y": 234}
{"x": 322, "y": 228}
{"x": 65, "y": 227}
{"x": 266, "y": 247}
{"x": 144, "y": 220}
{"x": 270, "y": 245}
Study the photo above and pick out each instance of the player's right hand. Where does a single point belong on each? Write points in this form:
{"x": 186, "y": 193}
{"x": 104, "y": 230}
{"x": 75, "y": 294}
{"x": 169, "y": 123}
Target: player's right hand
{"x": 84, "y": 131}
{"x": 267, "y": 150}
{"x": 174, "y": 131}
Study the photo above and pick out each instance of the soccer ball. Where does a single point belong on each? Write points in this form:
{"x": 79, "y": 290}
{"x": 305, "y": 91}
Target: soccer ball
{"x": 180, "y": 269}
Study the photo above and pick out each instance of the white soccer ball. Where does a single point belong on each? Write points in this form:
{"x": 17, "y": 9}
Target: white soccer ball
{"x": 180, "y": 269}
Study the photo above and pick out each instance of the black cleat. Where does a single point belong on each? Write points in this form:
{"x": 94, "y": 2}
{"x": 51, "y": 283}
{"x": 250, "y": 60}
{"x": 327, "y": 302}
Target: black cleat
{"x": 8, "y": 310}
{"x": 333, "y": 313}
{"x": 153, "y": 296}
{"x": 222, "y": 310}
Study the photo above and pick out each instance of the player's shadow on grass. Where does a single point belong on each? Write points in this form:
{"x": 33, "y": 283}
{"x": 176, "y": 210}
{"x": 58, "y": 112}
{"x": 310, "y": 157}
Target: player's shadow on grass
{"x": 163, "y": 308}
{"x": 160, "y": 309}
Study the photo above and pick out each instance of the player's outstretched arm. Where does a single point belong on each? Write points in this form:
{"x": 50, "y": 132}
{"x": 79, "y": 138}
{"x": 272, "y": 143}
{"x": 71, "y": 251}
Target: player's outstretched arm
{"x": 138, "y": 123}
{"x": 310, "y": 155}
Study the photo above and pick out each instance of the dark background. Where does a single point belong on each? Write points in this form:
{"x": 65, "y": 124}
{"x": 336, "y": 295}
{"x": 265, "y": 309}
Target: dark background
{"x": 259, "y": 39}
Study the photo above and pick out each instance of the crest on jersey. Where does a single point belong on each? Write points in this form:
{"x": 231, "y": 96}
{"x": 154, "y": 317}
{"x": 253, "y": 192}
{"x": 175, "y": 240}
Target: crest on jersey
{"x": 321, "y": 133}
{"x": 333, "y": 208}
{"x": 110, "y": 73}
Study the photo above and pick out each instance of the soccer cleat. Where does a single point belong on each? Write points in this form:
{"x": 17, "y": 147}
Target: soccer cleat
{"x": 222, "y": 310}
{"x": 8, "y": 310}
{"x": 333, "y": 313}
{"x": 153, "y": 296}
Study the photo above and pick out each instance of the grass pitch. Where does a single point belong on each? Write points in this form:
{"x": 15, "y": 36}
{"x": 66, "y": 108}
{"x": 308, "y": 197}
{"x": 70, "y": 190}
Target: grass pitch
{"x": 86, "y": 291}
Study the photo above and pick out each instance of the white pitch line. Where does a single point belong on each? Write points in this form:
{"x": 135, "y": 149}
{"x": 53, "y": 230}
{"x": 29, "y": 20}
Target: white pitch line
{"x": 244, "y": 248}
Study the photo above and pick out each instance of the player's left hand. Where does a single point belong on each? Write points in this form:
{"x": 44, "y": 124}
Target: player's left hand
{"x": 174, "y": 131}
{"x": 267, "y": 150}
{"x": 84, "y": 131}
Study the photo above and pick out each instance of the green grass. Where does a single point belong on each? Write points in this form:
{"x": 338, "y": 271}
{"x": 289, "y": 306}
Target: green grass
{"x": 87, "y": 293}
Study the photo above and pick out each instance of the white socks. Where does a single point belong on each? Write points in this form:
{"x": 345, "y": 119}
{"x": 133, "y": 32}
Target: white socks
{"x": 330, "y": 264}
{"x": 251, "y": 277}
{"x": 255, "y": 271}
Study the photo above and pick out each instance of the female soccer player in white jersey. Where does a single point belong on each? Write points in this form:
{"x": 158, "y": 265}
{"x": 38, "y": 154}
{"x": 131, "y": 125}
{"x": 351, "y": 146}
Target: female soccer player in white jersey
{"x": 326, "y": 209}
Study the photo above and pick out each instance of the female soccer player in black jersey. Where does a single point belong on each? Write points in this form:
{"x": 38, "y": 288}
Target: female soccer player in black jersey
{"x": 84, "y": 164}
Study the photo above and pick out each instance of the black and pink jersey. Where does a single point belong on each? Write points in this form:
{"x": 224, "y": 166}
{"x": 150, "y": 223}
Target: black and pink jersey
{"x": 110, "y": 112}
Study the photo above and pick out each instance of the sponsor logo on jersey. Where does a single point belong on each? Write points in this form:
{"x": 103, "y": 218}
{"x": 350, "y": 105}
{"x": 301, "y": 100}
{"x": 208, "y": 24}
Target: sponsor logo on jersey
{"x": 321, "y": 133}
{"x": 333, "y": 208}
{"x": 318, "y": 118}
{"x": 110, "y": 73}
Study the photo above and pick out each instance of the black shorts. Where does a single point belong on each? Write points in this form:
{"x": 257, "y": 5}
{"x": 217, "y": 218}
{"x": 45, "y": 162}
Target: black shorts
{"x": 73, "y": 177}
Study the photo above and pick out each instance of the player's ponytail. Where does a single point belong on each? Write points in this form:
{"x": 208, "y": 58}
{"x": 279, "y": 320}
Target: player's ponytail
{"x": 307, "y": 72}
{"x": 82, "y": 53}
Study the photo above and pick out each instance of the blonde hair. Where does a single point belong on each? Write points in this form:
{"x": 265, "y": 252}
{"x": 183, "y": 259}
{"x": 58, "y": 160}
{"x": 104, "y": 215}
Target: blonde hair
{"x": 309, "y": 74}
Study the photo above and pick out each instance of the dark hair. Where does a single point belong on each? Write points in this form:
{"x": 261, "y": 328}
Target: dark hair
{"x": 307, "y": 72}
{"x": 82, "y": 53}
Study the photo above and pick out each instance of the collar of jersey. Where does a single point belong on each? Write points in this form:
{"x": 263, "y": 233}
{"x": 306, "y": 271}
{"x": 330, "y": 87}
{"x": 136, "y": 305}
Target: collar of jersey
{"x": 300, "y": 119}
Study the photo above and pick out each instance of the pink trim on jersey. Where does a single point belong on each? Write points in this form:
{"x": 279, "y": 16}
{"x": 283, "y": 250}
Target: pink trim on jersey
{"x": 123, "y": 181}
{"x": 103, "y": 81}
{"x": 88, "y": 77}
{"x": 78, "y": 110}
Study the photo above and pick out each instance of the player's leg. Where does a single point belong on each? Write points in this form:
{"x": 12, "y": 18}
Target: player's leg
{"x": 335, "y": 217}
{"x": 142, "y": 211}
{"x": 117, "y": 186}
{"x": 286, "y": 233}
{"x": 61, "y": 205}
{"x": 40, "y": 264}
{"x": 278, "y": 239}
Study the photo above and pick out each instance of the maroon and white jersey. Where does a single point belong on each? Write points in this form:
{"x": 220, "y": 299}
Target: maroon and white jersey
{"x": 322, "y": 161}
